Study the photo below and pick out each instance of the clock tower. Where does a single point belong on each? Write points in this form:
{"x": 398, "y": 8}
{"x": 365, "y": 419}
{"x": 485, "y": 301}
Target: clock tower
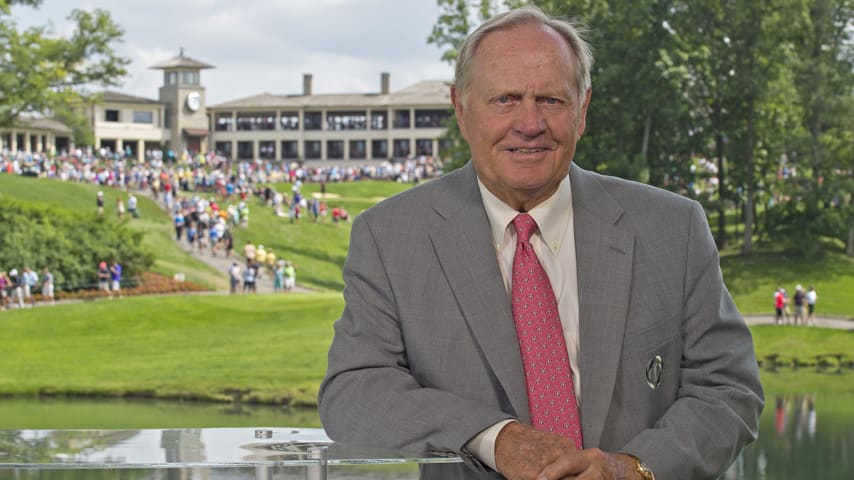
{"x": 184, "y": 96}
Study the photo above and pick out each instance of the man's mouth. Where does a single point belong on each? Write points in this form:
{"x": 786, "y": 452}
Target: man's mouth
{"x": 527, "y": 150}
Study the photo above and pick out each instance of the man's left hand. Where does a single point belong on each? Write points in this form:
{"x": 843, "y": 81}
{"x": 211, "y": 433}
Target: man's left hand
{"x": 591, "y": 463}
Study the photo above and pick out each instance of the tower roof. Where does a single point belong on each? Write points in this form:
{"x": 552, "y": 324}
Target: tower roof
{"x": 181, "y": 61}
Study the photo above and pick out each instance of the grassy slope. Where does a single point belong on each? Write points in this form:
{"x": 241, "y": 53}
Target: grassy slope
{"x": 318, "y": 250}
{"x": 81, "y": 197}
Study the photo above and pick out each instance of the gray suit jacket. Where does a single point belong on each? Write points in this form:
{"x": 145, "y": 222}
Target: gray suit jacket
{"x": 425, "y": 354}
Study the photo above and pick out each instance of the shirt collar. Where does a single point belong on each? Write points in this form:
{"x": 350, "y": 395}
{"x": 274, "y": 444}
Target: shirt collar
{"x": 552, "y": 215}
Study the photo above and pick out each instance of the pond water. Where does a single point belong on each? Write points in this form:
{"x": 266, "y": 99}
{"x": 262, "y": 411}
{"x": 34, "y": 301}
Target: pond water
{"x": 801, "y": 436}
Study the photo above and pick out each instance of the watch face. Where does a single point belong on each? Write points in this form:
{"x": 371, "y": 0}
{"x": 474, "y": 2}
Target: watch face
{"x": 194, "y": 101}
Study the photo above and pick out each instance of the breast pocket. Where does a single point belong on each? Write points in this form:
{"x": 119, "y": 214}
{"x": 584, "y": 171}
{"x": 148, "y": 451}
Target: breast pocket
{"x": 651, "y": 358}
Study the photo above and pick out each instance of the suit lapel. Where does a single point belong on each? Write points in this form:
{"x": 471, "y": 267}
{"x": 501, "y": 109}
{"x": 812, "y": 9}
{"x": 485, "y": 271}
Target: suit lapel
{"x": 604, "y": 254}
{"x": 463, "y": 244}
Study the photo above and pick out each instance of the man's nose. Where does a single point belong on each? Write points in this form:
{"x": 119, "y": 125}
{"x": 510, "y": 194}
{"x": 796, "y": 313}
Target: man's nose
{"x": 529, "y": 119}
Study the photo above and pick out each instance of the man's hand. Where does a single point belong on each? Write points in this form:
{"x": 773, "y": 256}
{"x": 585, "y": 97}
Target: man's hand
{"x": 524, "y": 453}
{"x": 521, "y": 452}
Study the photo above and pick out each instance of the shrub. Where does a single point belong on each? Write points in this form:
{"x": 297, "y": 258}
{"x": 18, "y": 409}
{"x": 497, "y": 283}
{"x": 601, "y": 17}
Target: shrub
{"x": 69, "y": 243}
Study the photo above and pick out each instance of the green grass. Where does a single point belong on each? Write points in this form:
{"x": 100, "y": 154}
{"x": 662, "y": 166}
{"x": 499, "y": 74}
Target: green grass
{"x": 172, "y": 347}
{"x": 801, "y": 342}
{"x": 752, "y": 280}
{"x": 26, "y": 413}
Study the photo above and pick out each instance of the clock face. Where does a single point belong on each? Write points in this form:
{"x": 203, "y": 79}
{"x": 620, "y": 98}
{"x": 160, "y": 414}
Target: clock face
{"x": 194, "y": 101}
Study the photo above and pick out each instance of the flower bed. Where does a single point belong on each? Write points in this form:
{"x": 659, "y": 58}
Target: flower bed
{"x": 150, "y": 284}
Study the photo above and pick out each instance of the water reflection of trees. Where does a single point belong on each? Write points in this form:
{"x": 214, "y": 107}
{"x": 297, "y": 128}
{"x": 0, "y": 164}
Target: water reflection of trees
{"x": 19, "y": 446}
{"x": 25, "y": 447}
{"x": 794, "y": 445}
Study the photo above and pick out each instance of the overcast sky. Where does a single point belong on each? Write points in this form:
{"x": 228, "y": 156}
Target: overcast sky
{"x": 267, "y": 45}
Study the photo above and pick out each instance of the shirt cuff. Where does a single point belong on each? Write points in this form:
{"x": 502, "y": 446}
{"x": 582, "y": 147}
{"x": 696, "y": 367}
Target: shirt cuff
{"x": 482, "y": 445}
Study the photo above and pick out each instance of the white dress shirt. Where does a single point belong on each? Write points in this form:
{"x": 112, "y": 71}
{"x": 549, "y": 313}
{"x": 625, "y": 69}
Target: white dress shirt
{"x": 554, "y": 244}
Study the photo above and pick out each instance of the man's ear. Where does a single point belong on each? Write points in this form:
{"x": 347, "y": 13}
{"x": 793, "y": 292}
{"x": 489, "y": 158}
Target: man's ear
{"x": 457, "y": 101}
{"x": 582, "y": 114}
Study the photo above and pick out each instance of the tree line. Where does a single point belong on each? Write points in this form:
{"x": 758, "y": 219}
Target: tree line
{"x": 745, "y": 105}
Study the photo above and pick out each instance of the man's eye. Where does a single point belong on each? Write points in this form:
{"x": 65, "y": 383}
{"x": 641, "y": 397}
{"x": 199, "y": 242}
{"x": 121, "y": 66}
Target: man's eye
{"x": 551, "y": 101}
{"x": 503, "y": 99}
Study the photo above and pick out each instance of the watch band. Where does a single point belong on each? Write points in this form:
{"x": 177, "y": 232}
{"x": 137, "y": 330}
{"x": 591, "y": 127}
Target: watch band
{"x": 642, "y": 469}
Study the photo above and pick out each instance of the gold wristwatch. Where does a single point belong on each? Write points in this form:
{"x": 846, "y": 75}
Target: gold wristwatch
{"x": 642, "y": 469}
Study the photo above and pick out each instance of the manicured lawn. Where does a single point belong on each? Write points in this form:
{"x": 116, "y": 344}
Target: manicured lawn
{"x": 193, "y": 346}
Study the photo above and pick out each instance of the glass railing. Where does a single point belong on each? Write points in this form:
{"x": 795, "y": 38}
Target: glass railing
{"x": 308, "y": 449}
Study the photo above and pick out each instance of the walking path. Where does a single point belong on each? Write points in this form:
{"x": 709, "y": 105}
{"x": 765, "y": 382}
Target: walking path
{"x": 263, "y": 284}
{"x": 826, "y": 322}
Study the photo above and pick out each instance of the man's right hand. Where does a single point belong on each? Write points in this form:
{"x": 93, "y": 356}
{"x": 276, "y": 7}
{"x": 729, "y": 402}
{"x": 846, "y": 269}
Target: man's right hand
{"x": 521, "y": 452}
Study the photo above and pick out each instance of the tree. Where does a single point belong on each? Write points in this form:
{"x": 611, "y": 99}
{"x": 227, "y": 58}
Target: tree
{"x": 44, "y": 73}
{"x": 825, "y": 81}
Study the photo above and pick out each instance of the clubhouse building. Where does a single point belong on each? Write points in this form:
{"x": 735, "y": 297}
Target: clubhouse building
{"x": 331, "y": 129}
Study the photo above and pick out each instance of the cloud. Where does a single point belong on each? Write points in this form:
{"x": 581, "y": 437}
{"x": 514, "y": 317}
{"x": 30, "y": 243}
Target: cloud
{"x": 266, "y": 45}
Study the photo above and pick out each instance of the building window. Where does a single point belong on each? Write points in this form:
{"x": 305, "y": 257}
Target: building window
{"x": 357, "y": 149}
{"x": 424, "y": 146}
{"x": 111, "y": 115}
{"x": 256, "y": 121}
{"x": 379, "y": 148}
{"x": 401, "y": 147}
{"x": 401, "y": 119}
{"x": 190, "y": 78}
{"x": 245, "y": 150}
{"x": 379, "y": 120}
{"x": 290, "y": 121}
{"x": 110, "y": 145}
{"x": 312, "y": 149}
{"x": 267, "y": 149}
{"x": 171, "y": 78}
{"x": 313, "y": 120}
{"x": 431, "y": 118}
{"x": 290, "y": 149}
{"x": 335, "y": 149}
{"x": 143, "y": 117}
{"x": 346, "y": 121}
{"x": 223, "y": 148}
{"x": 224, "y": 122}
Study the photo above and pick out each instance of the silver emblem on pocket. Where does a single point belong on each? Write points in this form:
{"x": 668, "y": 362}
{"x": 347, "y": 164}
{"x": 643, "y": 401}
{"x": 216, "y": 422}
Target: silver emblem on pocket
{"x": 653, "y": 372}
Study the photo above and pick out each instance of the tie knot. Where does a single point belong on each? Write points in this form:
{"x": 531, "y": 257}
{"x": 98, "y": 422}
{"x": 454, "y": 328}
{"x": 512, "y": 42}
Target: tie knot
{"x": 525, "y": 226}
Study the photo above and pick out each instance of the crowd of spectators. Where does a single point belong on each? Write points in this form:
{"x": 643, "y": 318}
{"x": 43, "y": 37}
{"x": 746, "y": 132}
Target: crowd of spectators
{"x": 200, "y": 171}
{"x": 188, "y": 186}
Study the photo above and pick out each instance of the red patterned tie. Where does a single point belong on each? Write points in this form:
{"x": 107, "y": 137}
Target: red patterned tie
{"x": 548, "y": 376}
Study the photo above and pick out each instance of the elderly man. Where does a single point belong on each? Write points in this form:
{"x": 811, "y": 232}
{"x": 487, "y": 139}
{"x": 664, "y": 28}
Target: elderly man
{"x": 539, "y": 320}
